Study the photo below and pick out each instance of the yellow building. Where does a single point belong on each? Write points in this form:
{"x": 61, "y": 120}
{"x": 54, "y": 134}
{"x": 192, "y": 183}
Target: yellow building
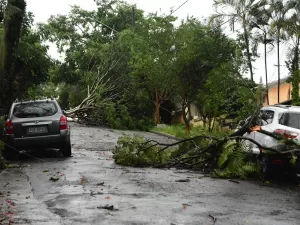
{"x": 285, "y": 93}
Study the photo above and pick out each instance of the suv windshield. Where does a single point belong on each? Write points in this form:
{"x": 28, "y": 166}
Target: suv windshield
{"x": 34, "y": 109}
{"x": 290, "y": 119}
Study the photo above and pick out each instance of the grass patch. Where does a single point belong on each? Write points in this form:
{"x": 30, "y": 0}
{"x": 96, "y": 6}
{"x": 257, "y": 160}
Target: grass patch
{"x": 179, "y": 131}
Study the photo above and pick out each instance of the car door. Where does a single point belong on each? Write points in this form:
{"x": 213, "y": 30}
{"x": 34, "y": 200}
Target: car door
{"x": 289, "y": 125}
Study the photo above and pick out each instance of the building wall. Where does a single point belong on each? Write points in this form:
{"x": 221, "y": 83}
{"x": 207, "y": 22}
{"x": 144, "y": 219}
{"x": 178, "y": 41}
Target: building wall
{"x": 285, "y": 94}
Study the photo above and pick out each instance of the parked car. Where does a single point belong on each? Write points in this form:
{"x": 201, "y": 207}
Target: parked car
{"x": 279, "y": 119}
{"x": 39, "y": 124}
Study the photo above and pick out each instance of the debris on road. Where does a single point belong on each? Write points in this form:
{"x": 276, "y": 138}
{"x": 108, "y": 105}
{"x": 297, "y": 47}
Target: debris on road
{"x": 83, "y": 180}
{"x": 45, "y": 171}
{"x": 183, "y": 180}
{"x": 108, "y": 207}
{"x": 100, "y": 184}
{"x": 54, "y": 178}
{"x": 93, "y": 193}
{"x": 213, "y": 217}
{"x": 234, "y": 181}
{"x": 185, "y": 206}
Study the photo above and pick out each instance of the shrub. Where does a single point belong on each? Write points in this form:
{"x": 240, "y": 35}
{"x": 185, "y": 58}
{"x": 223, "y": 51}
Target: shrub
{"x": 137, "y": 152}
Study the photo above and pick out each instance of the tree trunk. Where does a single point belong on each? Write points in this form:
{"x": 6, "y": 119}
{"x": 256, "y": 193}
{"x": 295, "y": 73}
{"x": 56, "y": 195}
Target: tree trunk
{"x": 186, "y": 120}
{"x": 210, "y": 119}
{"x": 157, "y": 108}
{"x": 278, "y": 60}
{"x": 204, "y": 122}
{"x": 266, "y": 68}
{"x": 9, "y": 47}
{"x": 295, "y": 76}
{"x": 248, "y": 48}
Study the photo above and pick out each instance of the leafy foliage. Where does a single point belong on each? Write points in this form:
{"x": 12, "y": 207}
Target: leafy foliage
{"x": 24, "y": 60}
{"x": 136, "y": 151}
{"x": 235, "y": 162}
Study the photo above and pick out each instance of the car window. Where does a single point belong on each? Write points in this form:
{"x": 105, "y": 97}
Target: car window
{"x": 290, "y": 119}
{"x": 34, "y": 109}
{"x": 267, "y": 116}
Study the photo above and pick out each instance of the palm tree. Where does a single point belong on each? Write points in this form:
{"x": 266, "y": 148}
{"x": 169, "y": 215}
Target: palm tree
{"x": 292, "y": 28}
{"x": 242, "y": 12}
{"x": 278, "y": 11}
{"x": 261, "y": 24}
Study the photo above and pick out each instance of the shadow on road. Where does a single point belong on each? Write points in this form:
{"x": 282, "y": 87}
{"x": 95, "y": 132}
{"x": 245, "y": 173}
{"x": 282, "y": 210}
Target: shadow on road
{"x": 38, "y": 155}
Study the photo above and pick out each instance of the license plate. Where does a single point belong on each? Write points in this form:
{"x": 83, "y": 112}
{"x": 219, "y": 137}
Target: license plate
{"x": 37, "y": 130}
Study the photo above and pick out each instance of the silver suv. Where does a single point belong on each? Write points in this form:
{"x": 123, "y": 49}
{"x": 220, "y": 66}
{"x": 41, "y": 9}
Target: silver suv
{"x": 38, "y": 125}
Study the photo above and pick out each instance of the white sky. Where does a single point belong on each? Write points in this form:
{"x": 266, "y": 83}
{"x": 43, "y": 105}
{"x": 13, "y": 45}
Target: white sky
{"x": 43, "y": 9}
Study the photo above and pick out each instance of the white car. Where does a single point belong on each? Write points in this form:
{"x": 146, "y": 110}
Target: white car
{"x": 279, "y": 119}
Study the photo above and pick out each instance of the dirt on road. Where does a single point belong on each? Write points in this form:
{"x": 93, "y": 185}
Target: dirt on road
{"x": 89, "y": 188}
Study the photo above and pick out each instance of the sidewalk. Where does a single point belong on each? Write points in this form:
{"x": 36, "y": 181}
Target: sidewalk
{"x": 17, "y": 202}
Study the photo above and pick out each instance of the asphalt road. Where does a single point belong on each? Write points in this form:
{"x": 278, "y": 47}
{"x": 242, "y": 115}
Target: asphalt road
{"x": 90, "y": 184}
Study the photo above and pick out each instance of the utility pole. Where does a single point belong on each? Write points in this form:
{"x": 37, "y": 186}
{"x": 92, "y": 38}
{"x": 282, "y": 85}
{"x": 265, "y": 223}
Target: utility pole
{"x": 278, "y": 84}
{"x": 266, "y": 41}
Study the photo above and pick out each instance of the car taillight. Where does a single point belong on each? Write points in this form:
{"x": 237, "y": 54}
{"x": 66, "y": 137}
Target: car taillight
{"x": 287, "y": 134}
{"x": 63, "y": 123}
{"x": 277, "y": 162}
{"x": 9, "y": 128}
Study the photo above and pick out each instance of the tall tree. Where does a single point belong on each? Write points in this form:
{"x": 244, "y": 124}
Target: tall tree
{"x": 292, "y": 28}
{"x": 152, "y": 55}
{"x": 199, "y": 50}
{"x": 13, "y": 19}
{"x": 242, "y": 12}
{"x": 262, "y": 35}
{"x": 278, "y": 10}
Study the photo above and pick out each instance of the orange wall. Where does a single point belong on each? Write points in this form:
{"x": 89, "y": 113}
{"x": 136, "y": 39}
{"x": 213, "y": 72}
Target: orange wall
{"x": 285, "y": 94}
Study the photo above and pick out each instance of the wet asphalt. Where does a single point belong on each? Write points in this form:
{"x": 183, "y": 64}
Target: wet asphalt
{"x": 91, "y": 189}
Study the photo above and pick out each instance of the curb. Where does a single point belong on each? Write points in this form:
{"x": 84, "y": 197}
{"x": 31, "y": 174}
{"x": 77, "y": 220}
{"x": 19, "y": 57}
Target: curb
{"x": 166, "y": 135}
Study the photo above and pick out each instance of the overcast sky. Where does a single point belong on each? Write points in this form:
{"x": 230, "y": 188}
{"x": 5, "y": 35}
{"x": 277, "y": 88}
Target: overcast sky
{"x": 43, "y": 9}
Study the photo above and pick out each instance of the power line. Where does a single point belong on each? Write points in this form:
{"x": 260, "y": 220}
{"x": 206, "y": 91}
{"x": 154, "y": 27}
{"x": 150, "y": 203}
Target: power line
{"x": 283, "y": 50}
{"x": 178, "y": 7}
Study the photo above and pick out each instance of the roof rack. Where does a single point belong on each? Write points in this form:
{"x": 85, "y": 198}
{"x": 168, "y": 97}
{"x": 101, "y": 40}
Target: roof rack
{"x": 284, "y": 106}
{"x": 33, "y": 100}
{"x": 281, "y": 106}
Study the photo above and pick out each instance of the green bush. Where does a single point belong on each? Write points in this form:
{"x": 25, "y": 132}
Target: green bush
{"x": 119, "y": 117}
{"x": 137, "y": 152}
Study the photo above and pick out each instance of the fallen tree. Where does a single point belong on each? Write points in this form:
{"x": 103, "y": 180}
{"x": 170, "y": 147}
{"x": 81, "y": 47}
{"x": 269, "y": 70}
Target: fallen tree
{"x": 102, "y": 91}
{"x": 225, "y": 156}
